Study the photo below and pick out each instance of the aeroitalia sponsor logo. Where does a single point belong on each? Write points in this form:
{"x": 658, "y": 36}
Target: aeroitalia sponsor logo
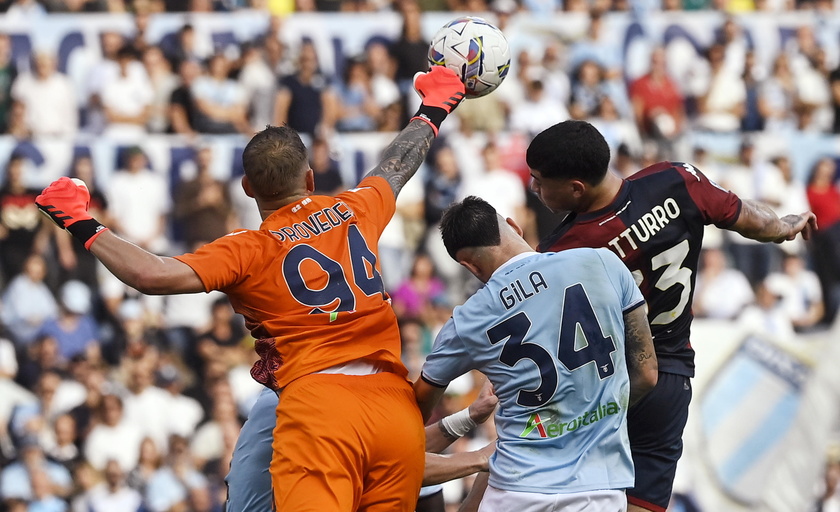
{"x": 550, "y": 428}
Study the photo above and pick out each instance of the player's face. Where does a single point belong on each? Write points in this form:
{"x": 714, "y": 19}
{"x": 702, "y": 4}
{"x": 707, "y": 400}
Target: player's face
{"x": 556, "y": 194}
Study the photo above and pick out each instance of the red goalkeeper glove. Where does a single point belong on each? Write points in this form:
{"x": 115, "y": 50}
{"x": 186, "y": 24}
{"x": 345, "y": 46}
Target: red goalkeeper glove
{"x": 441, "y": 90}
{"x": 66, "y": 202}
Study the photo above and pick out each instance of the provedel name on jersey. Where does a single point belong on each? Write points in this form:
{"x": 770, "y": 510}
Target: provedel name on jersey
{"x": 315, "y": 224}
{"x": 552, "y": 428}
{"x": 648, "y": 225}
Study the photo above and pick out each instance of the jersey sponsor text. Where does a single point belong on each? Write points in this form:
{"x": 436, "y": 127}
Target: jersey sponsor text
{"x": 550, "y": 428}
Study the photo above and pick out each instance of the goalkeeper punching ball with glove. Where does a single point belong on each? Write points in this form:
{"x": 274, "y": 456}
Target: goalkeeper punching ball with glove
{"x": 66, "y": 202}
{"x": 435, "y": 87}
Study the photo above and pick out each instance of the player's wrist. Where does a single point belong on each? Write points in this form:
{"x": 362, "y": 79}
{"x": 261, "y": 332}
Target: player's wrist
{"x": 458, "y": 424}
{"x": 86, "y": 230}
{"x": 434, "y": 116}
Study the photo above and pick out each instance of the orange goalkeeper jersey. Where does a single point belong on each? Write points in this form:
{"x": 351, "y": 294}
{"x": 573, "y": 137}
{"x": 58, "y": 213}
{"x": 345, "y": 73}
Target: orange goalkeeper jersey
{"x": 310, "y": 277}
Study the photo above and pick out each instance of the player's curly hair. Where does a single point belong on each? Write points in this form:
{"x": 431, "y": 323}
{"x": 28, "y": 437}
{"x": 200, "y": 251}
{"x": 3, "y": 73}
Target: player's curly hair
{"x": 274, "y": 159}
{"x": 471, "y": 223}
{"x": 570, "y": 150}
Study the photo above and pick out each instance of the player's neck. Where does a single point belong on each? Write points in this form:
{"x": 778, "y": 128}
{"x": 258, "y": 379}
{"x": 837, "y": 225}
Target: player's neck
{"x": 268, "y": 207}
{"x": 605, "y": 192}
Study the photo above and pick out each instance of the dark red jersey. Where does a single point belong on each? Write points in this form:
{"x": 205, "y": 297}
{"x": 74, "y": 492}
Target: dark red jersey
{"x": 655, "y": 225}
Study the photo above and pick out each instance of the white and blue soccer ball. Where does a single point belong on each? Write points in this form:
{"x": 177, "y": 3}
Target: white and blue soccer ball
{"x": 476, "y": 50}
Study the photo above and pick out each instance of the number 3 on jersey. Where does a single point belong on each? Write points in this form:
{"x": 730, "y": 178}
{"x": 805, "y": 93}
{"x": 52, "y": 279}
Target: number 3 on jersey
{"x": 578, "y": 317}
{"x": 336, "y": 295}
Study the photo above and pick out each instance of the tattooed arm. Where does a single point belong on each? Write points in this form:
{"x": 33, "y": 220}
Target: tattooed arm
{"x": 403, "y": 156}
{"x": 641, "y": 358}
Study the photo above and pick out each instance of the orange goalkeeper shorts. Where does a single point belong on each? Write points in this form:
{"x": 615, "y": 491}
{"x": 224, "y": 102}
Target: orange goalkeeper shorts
{"x": 345, "y": 443}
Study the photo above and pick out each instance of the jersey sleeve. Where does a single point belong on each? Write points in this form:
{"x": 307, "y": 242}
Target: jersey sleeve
{"x": 626, "y": 287}
{"x": 718, "y": 206}
{"x": 225, "y": 262}
{"x": 449, "y": 358}
{"x": 372, "y": 199}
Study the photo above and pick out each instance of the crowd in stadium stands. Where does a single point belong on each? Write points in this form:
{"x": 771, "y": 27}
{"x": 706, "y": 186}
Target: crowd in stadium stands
{"x": 116, "y": 402}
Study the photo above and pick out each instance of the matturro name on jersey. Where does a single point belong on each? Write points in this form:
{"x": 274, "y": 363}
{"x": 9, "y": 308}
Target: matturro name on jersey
{"x": 646, "y": 226}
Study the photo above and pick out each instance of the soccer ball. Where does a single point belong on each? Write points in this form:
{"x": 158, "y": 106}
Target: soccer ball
{"x": 476, "y": 50}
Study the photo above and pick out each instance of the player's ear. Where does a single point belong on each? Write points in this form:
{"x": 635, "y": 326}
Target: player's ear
{"x": 310, "y": 181}
{"x": 512, "y": 223}
{"x": 472, "y": 268}
{"x": 246, "y": 186}
{"x": 578, "y": 187}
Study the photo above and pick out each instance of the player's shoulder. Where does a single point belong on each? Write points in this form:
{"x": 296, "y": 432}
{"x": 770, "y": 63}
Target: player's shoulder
{"x": 660, "y": 169}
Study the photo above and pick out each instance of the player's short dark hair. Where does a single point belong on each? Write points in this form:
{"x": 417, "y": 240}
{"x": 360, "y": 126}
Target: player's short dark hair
{"x": 273, "y": 159}
{"x": 471, "y": 223}
{"x": 570, "y": 150}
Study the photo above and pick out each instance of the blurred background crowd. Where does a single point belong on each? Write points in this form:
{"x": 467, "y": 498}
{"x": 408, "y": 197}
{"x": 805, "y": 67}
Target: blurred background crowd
{"x": 114, "y": 401}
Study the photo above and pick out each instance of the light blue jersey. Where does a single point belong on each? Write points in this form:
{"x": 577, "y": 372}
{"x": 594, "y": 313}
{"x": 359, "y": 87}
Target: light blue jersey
{"x": 548, "y": 331}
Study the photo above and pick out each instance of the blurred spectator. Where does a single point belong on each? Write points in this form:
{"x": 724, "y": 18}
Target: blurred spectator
{"x": 75, "y": 329}
{"x": 824, "y": 197}
{"x": 498, "y": 186}
{"x": 32, "y": 474}
{"x": 752, "y": 120}
{"x": 44, "y": 498}
{"x": 22, "y": 227}
{"x": 829, "y": 500}
{"x": 17, "y": 125}
{"x": 383, "y": 69}
{"x": 587, "y": 90}
{"x": 28, "y": 302}
{"x": 41, "y": 356}
{"x": 357, "y": 109}
{"x": 767, "y": 316}
{"x": 442, "y": 187}
{"x": 794, "y": 199}
{"x": 538, "y": 111}
{"x": 185, "y": 46}
{"x": 413, "y": 296}
{"x": 144, "y": 402}
{"x": 61, "y": 447}
{"x": 113, "y": 437}
{"x": 305, "y": 102}
{"x": 755, "y": 179}
{"x": 49, "y": 98}
{"x": 170, "y": 486}
{"x": 411, "y": 49}
{"x": 8, "y": 73}
{"x": 800, "y": 291}
{"x": 617, "y": 130}
{"x": 328, "y": 180}
{"x": 85, "y": 478}
{"x": 149, "y": 462}
{"x": 597, "y": 46}
{"x": 86, "y": 414}
{"x": 416, "y": 344}
{"x": 127, "y": 98}
{"x": 219, "y": 343}
{"x": 657, "y": 103}
{"x": 138, "y": 201}
{"x": 113, "y": 495}
{"x": 34, "y": 420}
{"x": 202, "y": 206}
{"x": 721, "y": 95}
{"x": 183, "y": 113}
{"x": 185, "y": 413}
{"x": 208, "y": 441}
{"x": 813, "y": 95}
{"x": 221, "y": 104}
{"x": 163, "y": 83}
{"x": 721, "y": 292}
{"x": 777, "y": 95}
{"x": 258, "y": 82}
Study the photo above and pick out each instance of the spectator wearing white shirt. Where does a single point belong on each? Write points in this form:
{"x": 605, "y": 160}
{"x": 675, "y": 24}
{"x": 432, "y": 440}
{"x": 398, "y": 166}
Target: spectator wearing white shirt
{"x": 49, "y": 98}
{"x": 113, "y": 495}
{"x": 146, "y": 405}
{"x": 800, "y": 291}
{"x": 722, "y": 99}
{"x": 538, "y": 112}
{"x": 113, "y": 438}
{"x": 138, "y": 201}
{"x": 766, "y": 316}
{"x": 721, "y": 292}
{"x": 127, "y": 99}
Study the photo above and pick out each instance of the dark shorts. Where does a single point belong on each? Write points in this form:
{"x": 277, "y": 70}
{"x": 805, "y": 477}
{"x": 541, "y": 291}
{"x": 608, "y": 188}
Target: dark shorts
{"x": 655, "y": 425}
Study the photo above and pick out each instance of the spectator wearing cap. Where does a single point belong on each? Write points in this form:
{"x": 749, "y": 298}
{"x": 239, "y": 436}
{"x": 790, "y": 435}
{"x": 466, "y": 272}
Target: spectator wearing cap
{"x": 74, "y": 329}
{"x": 16, "y": 479}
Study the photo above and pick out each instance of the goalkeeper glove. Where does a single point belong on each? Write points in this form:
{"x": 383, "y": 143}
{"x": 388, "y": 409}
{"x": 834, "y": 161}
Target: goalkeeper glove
{"x": 441, "y": 90}
{"x": 66, "y": 202}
